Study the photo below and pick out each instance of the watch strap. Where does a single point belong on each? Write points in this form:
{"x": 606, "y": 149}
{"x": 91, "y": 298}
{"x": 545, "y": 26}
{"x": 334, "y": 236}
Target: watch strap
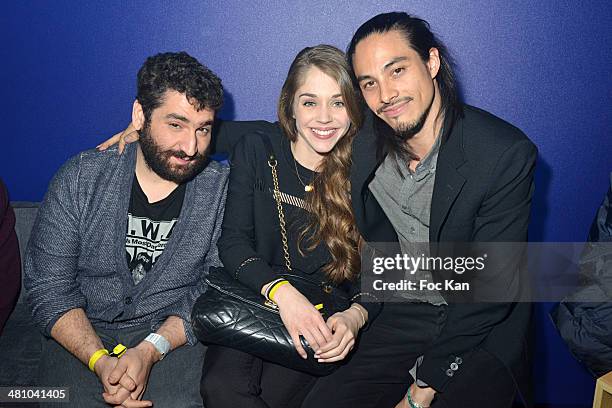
{"x": 160, "y": 343}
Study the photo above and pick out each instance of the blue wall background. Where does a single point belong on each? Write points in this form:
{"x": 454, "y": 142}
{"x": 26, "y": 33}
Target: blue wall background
{"x": 68, "y": 81}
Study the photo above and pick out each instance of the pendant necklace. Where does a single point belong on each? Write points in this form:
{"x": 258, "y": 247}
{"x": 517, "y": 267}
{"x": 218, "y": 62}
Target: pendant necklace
{"x": 307, "y": 187}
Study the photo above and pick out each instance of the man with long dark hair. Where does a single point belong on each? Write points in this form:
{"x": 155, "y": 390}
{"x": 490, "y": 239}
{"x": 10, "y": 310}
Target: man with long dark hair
{"x": 427, "y": 168}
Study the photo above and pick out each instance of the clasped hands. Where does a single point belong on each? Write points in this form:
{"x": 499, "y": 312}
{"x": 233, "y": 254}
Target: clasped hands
{"x": 125, "y": 379}
{"x": 331, "y": 340}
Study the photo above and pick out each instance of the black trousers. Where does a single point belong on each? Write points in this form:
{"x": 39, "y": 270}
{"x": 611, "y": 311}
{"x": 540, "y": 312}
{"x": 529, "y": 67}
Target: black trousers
{"x": 377, "y": 374}
{"x": 232, "y": 379}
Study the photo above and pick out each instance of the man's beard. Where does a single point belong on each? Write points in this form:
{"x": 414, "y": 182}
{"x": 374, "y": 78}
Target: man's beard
{"x": 158, "y": 160}
{"x": 405, "y": 131}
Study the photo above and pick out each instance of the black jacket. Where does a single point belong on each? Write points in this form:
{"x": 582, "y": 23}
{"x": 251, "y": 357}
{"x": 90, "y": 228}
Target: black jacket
{"x": 482, "y": 193}
{"x": 250, "y": 244}
{"x": 586, "y": 326}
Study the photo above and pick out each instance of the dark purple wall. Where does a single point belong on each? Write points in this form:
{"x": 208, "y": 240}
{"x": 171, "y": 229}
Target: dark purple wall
{"x": 68, "y": 80}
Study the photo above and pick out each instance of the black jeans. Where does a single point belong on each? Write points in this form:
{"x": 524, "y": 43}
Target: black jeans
{"x": 377, "y": 374}
{"x": 231, "y": 378}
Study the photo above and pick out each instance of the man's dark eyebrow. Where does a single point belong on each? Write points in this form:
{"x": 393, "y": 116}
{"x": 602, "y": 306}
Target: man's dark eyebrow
{"x": 385, "y": 67}
{"x": 185, "y": 120}
{"x": 393, "y": 62}
{"x": 177, "y": 117}
{"x": 362, "y": 77}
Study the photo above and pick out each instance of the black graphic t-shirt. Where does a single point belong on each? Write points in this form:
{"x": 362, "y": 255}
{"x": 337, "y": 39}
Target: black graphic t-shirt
{"x": 149, "y": 228}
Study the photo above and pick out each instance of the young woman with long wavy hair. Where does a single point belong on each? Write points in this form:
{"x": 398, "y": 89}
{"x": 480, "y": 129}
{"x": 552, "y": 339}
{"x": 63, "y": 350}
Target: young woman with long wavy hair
{"x": 319, "y": 114}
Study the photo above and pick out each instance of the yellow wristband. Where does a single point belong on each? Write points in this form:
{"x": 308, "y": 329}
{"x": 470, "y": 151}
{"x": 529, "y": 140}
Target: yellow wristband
{"x": 95, "y": 357}
{"x": 275, "y": 288}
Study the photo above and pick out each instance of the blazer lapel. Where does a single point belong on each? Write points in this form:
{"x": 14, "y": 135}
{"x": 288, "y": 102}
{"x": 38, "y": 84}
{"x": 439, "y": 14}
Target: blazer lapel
{"x": 449, "y": 181}
{"x": 369, "y": 216}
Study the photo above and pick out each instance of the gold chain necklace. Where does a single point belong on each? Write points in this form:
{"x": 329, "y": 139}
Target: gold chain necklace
{"x": 307, "y": 187}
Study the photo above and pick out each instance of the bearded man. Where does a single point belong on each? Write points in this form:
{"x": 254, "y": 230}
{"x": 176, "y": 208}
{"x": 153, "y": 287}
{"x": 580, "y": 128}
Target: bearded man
{"x": 429, "y": 169}
{"x": 121, "y": 247}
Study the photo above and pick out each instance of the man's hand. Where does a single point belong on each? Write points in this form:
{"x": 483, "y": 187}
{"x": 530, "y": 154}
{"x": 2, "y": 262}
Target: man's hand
{"x": 103, "y": 367}
{"x": 132, "y": 373}
{"x": 422, "y": 396}
{"x": 403, "y": 403}
{"x": 75, "y": 333}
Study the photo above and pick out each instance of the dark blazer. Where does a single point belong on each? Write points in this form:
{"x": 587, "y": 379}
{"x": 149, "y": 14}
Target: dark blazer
{"x": 482, "y": 193}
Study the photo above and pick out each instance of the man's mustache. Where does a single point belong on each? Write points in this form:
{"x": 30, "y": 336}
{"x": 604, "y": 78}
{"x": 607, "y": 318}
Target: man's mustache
{"x": 181, "y": 154}
{"x": 384, "y": 106}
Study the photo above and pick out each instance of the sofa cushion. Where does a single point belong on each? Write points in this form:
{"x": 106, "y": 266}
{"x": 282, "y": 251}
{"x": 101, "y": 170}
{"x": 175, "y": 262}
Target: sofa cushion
{"x": 25, "y": 215}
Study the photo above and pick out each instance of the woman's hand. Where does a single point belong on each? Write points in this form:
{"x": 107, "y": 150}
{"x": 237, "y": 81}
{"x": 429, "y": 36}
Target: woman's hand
{"x": 345, "y": 327}
{"x": 301, "y": 318}
{"x": 129, "y": 135}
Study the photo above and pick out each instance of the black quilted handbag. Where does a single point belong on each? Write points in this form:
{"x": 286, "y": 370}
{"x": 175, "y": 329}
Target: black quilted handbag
{"x": 231, "y": 314}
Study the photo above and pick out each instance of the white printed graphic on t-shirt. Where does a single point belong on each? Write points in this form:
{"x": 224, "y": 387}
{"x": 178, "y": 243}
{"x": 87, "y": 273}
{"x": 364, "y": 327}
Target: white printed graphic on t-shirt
{"x": 144, "y": 243}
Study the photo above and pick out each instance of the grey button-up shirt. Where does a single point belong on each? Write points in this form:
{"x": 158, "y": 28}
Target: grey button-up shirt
{"x": 405, "y": 197}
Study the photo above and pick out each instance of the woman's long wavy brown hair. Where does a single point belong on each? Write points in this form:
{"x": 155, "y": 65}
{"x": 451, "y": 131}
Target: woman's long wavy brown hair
{"x": 332, "y": 220}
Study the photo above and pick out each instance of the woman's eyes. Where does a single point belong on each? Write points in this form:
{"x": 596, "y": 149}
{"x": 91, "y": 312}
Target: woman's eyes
{"x": 337, "y": 104}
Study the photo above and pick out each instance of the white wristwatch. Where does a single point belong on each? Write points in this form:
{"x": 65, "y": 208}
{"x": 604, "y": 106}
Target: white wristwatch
{"x": 160, "y": 343}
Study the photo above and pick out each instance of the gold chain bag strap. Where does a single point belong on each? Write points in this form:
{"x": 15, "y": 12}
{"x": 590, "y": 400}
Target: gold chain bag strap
{"x": 233, "y": 315}
{"x": 272, "y": 162}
